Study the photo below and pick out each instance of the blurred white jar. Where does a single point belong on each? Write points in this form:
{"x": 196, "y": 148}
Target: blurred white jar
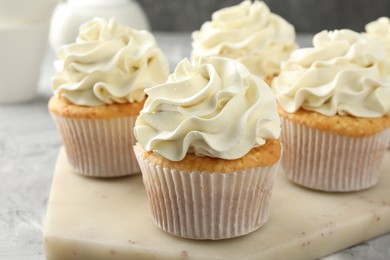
{"x": 24, "y": 29}
{"x": 16, "y": 11}
{"x": 22, "y": 48}
{"x": 69, "y": 15}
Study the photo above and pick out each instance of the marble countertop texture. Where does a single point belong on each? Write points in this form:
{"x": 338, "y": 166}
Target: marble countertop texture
{"x": 29, "y": 145}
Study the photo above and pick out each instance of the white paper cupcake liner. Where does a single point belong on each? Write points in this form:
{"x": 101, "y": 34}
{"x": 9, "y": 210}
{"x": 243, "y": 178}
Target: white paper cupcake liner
{"x": 324, "y": 161}
{"x": 99, "y": 147}
{"x": 200, "y": 205}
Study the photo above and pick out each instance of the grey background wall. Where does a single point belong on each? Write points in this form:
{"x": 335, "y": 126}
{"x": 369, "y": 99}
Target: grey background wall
{"x": 306, "y": 15}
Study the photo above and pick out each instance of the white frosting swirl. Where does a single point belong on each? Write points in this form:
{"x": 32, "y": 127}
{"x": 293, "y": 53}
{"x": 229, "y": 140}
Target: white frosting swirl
{"x": 344, "y": 73}
{"x": 108, "y": 63}
{"x": 250, "y": 33}
{"x": 215, "y": 108}
{"x": 380, "y": 30}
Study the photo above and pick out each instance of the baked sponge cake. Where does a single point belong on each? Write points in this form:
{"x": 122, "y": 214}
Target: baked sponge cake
{"x": 250, "y": 33}
{"x": 334, "y": 102}
{"x": 98, "y": 93}
{"x": 208, "y": 149}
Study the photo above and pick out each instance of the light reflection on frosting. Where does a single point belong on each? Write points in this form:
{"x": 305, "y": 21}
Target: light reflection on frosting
{"x": 248, "y": 32}
{"x": 345, "y": 73}
{"x": 214, "y": 108}
{"x": 108, "y": 63}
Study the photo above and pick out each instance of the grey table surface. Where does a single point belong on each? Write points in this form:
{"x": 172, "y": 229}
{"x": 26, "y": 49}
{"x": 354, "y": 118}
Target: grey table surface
{"x": 29, "y": 145}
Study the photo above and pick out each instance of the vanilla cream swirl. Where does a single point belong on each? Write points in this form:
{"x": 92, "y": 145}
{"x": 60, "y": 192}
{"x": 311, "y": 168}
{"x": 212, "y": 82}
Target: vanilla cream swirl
{"x": 249, "y": 33}
{"x": 109, "y": 63}
{"x": 345, "y": 73}
{"x": 380, "y": 30}
{"x": 214, "y": 108}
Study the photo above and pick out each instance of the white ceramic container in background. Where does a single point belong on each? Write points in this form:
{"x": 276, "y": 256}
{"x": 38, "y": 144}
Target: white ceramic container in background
{"x": 69, "y": 15}
{"x": 15, "y": 11}
{"x": 22, "y": 49}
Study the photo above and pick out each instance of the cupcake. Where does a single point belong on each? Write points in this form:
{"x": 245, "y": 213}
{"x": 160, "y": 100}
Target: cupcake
{"x": 334, "y": 103}
{"x": 380, "y": 30}
{"x": 208, "y": 148}
{"x": 98, "y": 93}
{"x": 249, "y": 33}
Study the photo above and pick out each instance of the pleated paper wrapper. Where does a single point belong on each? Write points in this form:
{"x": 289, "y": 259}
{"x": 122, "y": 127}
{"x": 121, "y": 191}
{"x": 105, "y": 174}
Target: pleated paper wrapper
{"x": 99, "y": 147}
{"x": 201, "y": 205}
{"x": 324, "y": 161}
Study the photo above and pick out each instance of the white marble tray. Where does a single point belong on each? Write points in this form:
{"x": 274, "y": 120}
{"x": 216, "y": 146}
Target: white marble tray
{"x": 109, "y": 219}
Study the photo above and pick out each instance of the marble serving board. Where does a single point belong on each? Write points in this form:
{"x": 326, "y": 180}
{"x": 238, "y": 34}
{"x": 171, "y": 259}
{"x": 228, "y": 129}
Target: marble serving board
{"x": 109, "y": 219}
